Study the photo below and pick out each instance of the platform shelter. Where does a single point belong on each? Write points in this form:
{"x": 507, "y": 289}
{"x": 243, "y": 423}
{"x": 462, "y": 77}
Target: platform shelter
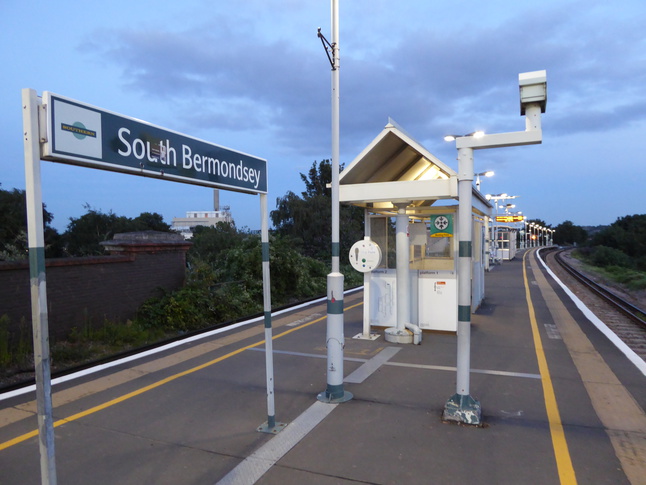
{"x": 415, "y": 286}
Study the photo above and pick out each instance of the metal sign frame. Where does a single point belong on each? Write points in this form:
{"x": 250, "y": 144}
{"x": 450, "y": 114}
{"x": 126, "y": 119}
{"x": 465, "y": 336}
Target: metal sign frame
{"x": 43, "y": 129}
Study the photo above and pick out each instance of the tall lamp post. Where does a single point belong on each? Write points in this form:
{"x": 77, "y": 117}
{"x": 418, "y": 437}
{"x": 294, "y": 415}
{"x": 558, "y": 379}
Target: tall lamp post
{"x": 334, "y": 391}
{"x": 534, "y": 229}
{"x": 462, "y": 407}
{"x": 488, "y": 173}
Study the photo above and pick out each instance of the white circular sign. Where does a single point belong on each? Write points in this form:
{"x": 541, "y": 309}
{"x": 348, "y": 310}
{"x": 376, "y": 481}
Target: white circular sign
{"x": 365, "y": 256}
{"x": 441, "y": 222}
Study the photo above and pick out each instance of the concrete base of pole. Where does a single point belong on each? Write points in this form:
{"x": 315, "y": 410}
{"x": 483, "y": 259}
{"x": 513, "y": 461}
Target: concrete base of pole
{"x": 369, "y": 336}
{"x": 275, "y": 428}
{"x": 398, "y": 336}
{"x": 463, "y": 409}
{"x": 330, "y": 398}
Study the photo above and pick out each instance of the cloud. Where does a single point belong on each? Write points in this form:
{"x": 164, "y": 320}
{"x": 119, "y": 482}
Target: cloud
{"x": 234, "y": 76}
{"x": 228, "y": 78}
{"x": 447, "y": 82}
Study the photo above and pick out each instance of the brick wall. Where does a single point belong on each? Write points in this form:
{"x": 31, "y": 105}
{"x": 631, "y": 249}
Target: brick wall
{"x": 92, "y": 289}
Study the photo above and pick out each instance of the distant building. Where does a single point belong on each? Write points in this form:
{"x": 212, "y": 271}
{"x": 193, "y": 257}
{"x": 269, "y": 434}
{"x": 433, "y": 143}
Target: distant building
{"x": 186, "y": 225}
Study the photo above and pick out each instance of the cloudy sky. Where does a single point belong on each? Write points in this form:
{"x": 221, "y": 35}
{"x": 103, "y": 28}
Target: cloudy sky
{"x": 252, "y": 75}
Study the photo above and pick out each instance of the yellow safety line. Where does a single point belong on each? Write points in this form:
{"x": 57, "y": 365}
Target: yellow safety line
{"x": 559, "y": 443}
{"x": 100, "y": 407}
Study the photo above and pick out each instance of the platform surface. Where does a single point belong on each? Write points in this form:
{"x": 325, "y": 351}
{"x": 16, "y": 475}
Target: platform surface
{"x": 560, "y": 404}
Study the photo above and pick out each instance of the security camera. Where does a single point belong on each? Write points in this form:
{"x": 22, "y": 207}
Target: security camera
{"x": 533, "y": 90}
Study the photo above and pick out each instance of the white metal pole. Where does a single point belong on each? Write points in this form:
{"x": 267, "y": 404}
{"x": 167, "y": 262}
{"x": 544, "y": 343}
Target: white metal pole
{"x": 36, "y": 241}
{"x": 334, "y": 391}
{"x": 403, "y": 272}
{"x": 465, "y": 160}
{"x": 270, "y": 426}
{"x": 496, "y": 244}
{"x": 335, "y": 137}
{"x": 487, "y": 220}
{"x": 366, "y": 281}
{"x": 461, "y": 406}
{"x": 399, "y": 333}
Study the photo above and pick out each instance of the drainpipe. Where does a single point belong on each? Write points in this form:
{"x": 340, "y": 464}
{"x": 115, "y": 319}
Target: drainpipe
{"x": 417, "y": 333}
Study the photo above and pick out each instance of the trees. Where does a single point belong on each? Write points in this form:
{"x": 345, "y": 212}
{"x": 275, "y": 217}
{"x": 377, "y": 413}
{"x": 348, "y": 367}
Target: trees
{"x": 150, "y": 221}
{"x": 628, "y": 236}
{"x": 81, "y": 238}
{"x": 13, "y": 227}
{"x": 84, "y": 233}
{"x": 307, "y": 218}
{"x": 567, "y": 233}
{"x": 225, "y": 280}
{"x": 209, "y": 242}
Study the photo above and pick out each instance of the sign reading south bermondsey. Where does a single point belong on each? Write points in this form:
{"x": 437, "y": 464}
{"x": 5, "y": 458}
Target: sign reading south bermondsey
{"x": 81, "y": 134}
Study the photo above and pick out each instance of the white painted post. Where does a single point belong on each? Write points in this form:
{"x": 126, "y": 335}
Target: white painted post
{"x": 36, "y": 241}
{"x": 334, "y": 391}
{"x": 461, "y": 406}
{"x": 270, "y": 426}
{"x": 366, "y": 282}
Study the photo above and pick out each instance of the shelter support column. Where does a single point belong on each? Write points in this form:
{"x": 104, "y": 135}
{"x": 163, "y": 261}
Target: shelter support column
{"x": 461, "y": 406}
{"x": 366, "y": 335}
{"x": 399, "y": 333}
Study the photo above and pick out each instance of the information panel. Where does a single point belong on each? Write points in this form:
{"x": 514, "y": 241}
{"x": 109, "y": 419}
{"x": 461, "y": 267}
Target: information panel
{"x": 441, "y": 225}
{"x": 81, "y": 134}
{"x": 510, "y": 218}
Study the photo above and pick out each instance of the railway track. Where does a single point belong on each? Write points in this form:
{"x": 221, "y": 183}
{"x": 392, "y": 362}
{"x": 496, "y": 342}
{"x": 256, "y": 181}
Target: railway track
{"x": 624, "y": 318}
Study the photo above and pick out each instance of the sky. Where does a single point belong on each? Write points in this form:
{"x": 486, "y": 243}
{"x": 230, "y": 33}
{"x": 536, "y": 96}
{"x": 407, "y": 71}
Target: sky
{"x": 253, "y": 76}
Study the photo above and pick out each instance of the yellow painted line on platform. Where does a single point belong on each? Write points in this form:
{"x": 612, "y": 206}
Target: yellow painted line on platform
{"x": 125, "y": 397}
{"x": 559, "y": 443}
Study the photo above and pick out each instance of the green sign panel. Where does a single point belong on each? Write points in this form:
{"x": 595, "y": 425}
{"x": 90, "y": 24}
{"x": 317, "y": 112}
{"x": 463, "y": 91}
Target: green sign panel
{"x": 441, "y": 225}
{"x": 81, "y": 134}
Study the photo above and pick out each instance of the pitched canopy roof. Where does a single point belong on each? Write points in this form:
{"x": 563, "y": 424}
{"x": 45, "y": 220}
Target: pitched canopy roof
{"x": 395, "y": 168}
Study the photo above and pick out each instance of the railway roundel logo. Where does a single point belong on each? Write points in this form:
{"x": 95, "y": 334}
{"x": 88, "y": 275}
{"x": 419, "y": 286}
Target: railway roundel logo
{"x": 76, "y": 130}
{"x": 79, "y": 130}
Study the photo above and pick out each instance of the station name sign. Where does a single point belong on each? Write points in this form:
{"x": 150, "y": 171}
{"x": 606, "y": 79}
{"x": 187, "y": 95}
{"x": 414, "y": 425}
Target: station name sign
{"x": 81, "y": 134}
{"x": 510, "y": 218}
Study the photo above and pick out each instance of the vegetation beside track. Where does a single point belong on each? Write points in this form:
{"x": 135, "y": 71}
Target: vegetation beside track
{"x": 224, "y": 273}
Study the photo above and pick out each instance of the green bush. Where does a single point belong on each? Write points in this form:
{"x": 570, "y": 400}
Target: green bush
{"x": 229, "y": 285}
{"x": 5, "y": 353}
{"x": 15, "y": 350}
{"x": 631, "y": 279}
{"x": 604, "y": 256}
